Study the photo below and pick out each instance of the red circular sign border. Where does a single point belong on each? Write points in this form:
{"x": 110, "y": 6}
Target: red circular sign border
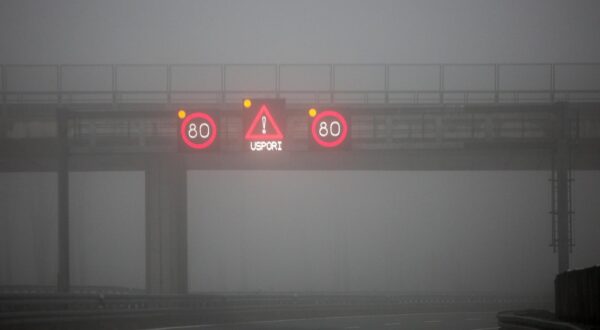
{"x": 190, "y": 143}
{"x": 340, "y": 139}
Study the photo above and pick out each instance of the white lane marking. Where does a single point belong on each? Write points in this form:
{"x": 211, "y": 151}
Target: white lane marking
{"x": 392, "y": 324}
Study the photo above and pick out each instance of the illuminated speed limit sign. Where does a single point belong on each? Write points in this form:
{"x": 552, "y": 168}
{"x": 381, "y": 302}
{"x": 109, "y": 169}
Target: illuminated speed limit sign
{"x": 197, "y": 130}
{"x": 329, "y": 128}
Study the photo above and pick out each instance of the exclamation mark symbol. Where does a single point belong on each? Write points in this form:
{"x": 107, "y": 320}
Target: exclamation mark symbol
{"x": 264, "y": 123}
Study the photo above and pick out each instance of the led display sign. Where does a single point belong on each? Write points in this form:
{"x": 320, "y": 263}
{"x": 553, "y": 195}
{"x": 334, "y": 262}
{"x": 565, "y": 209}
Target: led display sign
{"x": 329, "y": 129}
{"x": 263, "y": 121}
{"x": 197, "y": 130}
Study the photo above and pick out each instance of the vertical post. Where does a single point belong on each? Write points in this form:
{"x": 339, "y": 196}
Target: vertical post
{"x": 169, "y": 78}
{"x": 345, "y": 270}
{"x": 441, "y": 83}
{"x": 59, "y": 69}
{"x": 387, "y": 84}
{"x": 331, "y": 82}
{"x": 4, "y": 121}
{"x": 552, "y": 82}
{"x": 277, "y": 80}
{"x": 3, "y": 83}
{"x": 562, "y": 190}
{"x": 496, "y": 83}
{"x": 114, "y": 84}
{"x": 223, "y": 83}
{"x": 63, "y": 201}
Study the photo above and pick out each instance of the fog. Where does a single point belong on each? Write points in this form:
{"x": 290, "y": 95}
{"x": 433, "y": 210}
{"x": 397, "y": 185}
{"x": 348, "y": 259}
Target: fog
{"x": 405, "y": 231}
{"x": 412, "y": 231}
{"x": 107, "y": 228}
{"x": 314, "y": 31}
{"x": 307, "y": 231}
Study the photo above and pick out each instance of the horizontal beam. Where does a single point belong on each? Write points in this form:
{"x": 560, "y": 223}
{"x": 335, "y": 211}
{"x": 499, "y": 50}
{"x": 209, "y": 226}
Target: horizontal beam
{"x": 500, "y": 159}
{"x": 496, "y": 137}
{"x": 494, "y": 82}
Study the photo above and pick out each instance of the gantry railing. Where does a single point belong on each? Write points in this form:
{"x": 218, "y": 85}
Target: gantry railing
{"x": 302, "y": 83}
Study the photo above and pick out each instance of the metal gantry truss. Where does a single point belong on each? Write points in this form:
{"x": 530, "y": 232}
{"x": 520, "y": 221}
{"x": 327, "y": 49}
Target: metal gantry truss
{"x": 554, "y": 205}
{"x": 373, "y": 128}
{"x": 393, "y": 126}
{"x": 425, "y": 83}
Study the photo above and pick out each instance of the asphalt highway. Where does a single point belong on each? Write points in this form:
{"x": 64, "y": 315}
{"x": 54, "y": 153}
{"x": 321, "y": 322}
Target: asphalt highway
{"x": 414, "y": 321}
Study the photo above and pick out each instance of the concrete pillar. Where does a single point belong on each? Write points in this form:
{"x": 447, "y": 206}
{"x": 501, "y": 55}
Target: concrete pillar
{"x": 166, "y": 225}
{"x": 562, "y": 205}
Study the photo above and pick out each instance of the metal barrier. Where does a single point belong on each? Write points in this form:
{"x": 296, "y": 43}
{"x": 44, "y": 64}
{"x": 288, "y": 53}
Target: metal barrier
{"x": 56, "y": 302}
{"x": 532, "y": 319}
{"x": 73, "y": 311}
{"x": 50, "y": 289}
{"x": 577, "y": 294}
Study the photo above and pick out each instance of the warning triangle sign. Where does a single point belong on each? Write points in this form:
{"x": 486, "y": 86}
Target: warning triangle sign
{"x": 264, "y": 127}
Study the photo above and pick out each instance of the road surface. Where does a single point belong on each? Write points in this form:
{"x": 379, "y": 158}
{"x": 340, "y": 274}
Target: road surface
{"x": 415, "y": 321}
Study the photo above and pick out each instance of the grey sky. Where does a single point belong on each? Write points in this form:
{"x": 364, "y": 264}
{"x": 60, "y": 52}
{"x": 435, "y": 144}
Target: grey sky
{"x": 115, "y": 31}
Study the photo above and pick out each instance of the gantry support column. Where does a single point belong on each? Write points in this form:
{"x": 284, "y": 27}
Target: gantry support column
{"x": 63, "y": 281}
{"x": 563, "y": 183}
{"x": 166, "y": 224}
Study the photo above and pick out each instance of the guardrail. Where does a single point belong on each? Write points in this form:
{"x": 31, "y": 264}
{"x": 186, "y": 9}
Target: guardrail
{"x": 51, "y": 289}
{"x": 532, "y": 319}
{"x": 55, "y": 302}
{"x": 77, "y": 310}
{"x": 445, "y": 83}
